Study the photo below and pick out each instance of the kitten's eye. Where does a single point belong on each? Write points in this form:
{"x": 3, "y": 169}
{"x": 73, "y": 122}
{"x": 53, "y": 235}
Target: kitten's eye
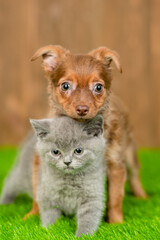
{"x": 55, "y": 152}
{"x": 65, "y": 86}
{"x": 98, "y": 88}
{"x": 78, "y": 151}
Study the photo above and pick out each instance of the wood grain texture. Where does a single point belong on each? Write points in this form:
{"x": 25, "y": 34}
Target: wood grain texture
{"x": 129, "y": 27}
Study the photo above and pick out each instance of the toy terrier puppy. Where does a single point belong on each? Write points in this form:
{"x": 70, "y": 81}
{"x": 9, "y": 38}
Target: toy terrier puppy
{"x": 79, "y": 86}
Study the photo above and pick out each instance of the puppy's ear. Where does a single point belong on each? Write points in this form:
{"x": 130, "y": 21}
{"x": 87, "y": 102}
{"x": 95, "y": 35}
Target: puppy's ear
{"x": 51, "y": 54}
{"x": 41, "y": 127}
{"x": 106, "y": 55}
{"x": 95, "y": 127}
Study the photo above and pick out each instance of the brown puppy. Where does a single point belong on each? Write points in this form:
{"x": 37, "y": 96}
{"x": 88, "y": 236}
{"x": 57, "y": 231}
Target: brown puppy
{"x": 79, "y": 87}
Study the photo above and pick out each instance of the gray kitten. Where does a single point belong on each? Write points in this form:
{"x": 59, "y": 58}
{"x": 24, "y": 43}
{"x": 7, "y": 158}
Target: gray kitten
{"x": 72, "y": 174}
{"x": 72, "y": 171}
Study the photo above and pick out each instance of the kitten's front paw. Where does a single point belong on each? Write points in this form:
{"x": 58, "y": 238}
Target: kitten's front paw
{"x": 49, "y": 217}
{"x": 78, "y": 234}
{"x": 81, "y": 232}
{"x": 46, "y": 225}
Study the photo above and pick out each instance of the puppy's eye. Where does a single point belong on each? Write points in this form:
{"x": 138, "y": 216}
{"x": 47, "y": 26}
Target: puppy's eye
{"x": 78, "y": 151}
{"x": 98, "y": 88}
{"x": 55, "y": 152}
{"x": 65, "y": 86}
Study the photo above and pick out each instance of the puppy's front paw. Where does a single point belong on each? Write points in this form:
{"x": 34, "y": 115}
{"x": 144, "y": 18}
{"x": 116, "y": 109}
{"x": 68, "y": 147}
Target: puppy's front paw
{"x": 30, "y": 214}
{"x": 115, "y": 217}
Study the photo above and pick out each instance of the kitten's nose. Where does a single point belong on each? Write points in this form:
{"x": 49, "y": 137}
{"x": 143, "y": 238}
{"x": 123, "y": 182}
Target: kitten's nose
{"x": 67, "y": 163}
{"x": 67, "y": 160}
{"x": 82, "y": 110}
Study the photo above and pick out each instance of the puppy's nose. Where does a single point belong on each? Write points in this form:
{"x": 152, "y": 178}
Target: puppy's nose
{"x": 82, "y": 110}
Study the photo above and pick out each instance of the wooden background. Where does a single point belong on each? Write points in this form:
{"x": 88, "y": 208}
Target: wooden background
{"x": 131, "y": 27}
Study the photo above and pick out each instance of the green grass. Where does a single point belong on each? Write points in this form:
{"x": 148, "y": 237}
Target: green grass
{"x": 141, "y": 217}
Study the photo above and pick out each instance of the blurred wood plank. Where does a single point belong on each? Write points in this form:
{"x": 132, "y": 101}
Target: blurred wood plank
{"x": 155, "y": 69}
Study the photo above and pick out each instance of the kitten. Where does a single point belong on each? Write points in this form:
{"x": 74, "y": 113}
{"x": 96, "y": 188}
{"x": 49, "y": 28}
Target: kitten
{"x": 72, "y": 171}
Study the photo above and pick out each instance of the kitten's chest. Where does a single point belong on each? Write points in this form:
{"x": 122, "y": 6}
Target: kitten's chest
{"x": 67, "y": 193}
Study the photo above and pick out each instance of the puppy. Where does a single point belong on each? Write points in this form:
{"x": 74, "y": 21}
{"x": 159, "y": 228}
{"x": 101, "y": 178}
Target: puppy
{"x": 79, "y": 87}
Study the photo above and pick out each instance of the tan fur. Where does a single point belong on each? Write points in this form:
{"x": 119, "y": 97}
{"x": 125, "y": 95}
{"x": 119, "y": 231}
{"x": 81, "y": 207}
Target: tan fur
{"x": 82, "y": 72}
{"x": 35, "y": 207}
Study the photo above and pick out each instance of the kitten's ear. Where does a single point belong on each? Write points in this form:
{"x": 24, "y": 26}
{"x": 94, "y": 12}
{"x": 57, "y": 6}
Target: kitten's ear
{"x": 95, "y": 127}
{"x": 41, "y": 127}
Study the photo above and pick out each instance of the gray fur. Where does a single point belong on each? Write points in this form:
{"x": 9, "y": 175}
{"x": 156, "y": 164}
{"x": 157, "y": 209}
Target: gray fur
{"x": 19, "y": 179}
{"x": 79, "y": 188}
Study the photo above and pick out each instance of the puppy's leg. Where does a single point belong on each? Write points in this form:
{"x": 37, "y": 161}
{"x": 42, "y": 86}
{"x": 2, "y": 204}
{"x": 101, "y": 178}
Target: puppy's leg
{"x": 116, "y": 179}
{"x": 133, "y": 171}
{"x": 35, "y": 173}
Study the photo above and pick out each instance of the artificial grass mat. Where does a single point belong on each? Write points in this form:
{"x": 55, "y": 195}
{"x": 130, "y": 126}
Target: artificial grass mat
{"x": 141, "y": 217}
